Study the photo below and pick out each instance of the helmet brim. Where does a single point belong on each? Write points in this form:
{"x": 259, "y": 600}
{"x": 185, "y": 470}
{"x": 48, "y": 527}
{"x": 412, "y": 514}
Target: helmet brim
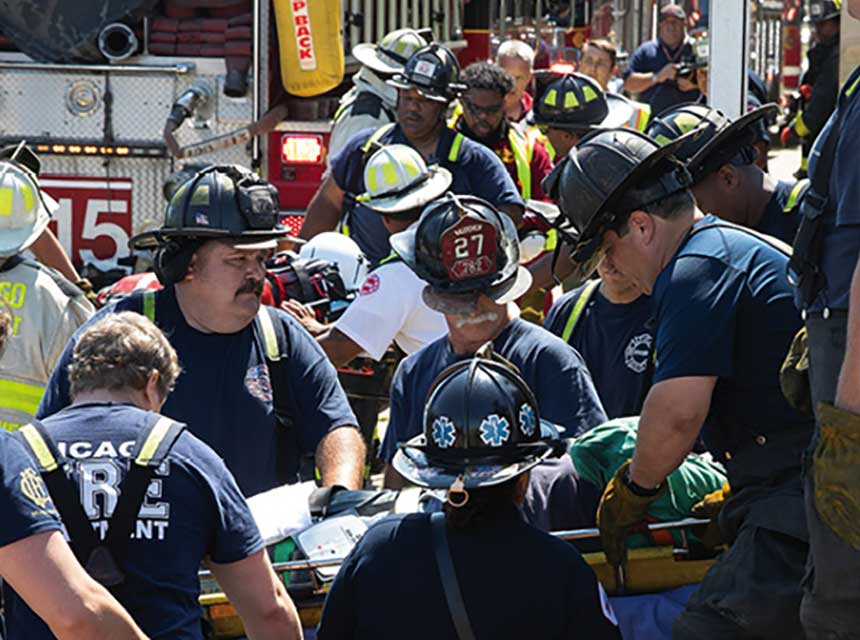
{"x": 13, "y": 242}
{"x": 411, "y": 461}
{"x": 587, "y": 247}
{"x": 248, "y": 240}
{"x": 399, "y": 82}
{"x": 462, "y": 303}
{"x": 536, "y": 121}
{"x": 695, "y": 164}
{"x": 371, "y": 56}
{"x": 435, "y": 185}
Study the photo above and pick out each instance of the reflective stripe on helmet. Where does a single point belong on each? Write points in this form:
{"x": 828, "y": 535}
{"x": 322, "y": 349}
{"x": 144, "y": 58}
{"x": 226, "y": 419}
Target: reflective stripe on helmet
{"x": 578, "y": 307}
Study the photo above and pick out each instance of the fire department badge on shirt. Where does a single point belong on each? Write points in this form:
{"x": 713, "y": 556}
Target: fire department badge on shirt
{"x": 371, "y": 285}
{"x": 258, "y": 383}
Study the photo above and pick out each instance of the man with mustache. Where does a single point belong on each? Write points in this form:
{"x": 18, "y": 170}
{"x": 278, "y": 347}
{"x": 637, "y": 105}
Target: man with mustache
{"x": 467, "y": 253}
{"x": 256, "y": 388}
{"x": 428, "y": 84}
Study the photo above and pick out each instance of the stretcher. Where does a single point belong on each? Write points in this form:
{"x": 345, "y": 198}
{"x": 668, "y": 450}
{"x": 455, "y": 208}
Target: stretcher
{"x": 649, "y": 570}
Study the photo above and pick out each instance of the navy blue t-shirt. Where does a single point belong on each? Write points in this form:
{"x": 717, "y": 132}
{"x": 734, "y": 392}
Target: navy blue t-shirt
{"x": 554, "y": 372}
{"x": 193, "y": 510}
{"x": 615, "y": 341}
{"x": 776, "y": 221}
{"x": 477, "y": 171}
{"x": 25, "y": 506}
{"x": 225, "y": 396}
{"x": 841, "y": 242}
{"x": 724, "y": 308}
{"x": 652, "y": 56}
{"x": 389, "y": 586}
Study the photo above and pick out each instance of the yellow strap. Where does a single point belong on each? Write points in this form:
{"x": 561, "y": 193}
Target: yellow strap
{"x": 391, "y": 256}
{"x": 149, "y": 305}
{"x": 270, "y": 337}
{"x": 20, "y": 396}
{"x": 578, "y": 307}
{"x": 40, "y": 448}
{"x": 375, "y": 136}
{"x": 551, "y": 240}
{"x": 524, "y": 170}
{"x": 454, "y": 152}
{"x": 792, "y": 197}
{"x": 147, "y": 451}
{"x": 455, "y": 114}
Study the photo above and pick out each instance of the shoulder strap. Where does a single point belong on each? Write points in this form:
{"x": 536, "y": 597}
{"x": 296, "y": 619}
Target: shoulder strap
{"x": 151, "y": 448}
{"x": 37, "y": 439}
{"x": 275, "y": 342}
{"x": 448, "y": 574}
{"x": 391, "y": 258}
{"x": 369, "y": 146}
{"x": 584, "y": 298}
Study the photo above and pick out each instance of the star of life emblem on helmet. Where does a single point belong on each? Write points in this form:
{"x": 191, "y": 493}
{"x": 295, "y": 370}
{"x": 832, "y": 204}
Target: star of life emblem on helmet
{"x": 528, "y": 420}
{"x": 444, "y": 433}
{"x": 495, "y": 430}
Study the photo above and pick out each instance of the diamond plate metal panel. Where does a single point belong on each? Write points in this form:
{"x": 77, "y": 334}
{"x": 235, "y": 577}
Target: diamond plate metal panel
{"x": 34, "y": 105}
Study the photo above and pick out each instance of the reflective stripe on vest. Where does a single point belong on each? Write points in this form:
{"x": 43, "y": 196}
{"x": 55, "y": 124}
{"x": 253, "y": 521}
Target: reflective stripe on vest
{"x": 40, "y": 448}
{"x": 523, "y": 149}
{"x": 641, "y": 116}
{"x": 578, "y": 307}
{"x": 454, "y": 152}
{"x": 20, "y": 396}
{"x": 794, "y": 195}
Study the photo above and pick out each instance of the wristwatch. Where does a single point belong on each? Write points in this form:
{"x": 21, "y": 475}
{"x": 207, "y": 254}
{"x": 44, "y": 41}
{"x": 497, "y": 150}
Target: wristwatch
{"x": 637, "y": 490}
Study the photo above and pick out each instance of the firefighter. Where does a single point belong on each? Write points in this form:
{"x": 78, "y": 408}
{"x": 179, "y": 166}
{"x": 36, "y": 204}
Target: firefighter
{"x": 34, "y": 556}
{"x": 47, "y": 308}
{"x": 827, "y": 242}
{"x": 608, "y": 321}
{"x": 566, "y": 109}
{"x": 725, "y": 319}
{"x": 371, "y": 102}
{"x": 467, "y": 253}
{"x": 389, "y": 307}
{"x": 756, "y": 97}
{"x": 481, "y": 434}
{"x": 272, "y": 400}
{"x": 483, "y": 120}
{"x": 429, "y": 83}
{"x": 120, "y": 373}
{"x": 655, "y": 69}
{"x": 518, "y": 59}
{"x": 726, "y": 180}
{"x": 35, "y": 559}
{"x": 820, "y": 81}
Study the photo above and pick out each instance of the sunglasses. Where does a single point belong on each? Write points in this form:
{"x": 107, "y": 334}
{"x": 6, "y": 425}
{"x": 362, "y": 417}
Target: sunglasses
{"x": 491, "y": 110}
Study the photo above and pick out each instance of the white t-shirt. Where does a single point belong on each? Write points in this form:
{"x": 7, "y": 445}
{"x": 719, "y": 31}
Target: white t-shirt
{"x": 389, "y": 308}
